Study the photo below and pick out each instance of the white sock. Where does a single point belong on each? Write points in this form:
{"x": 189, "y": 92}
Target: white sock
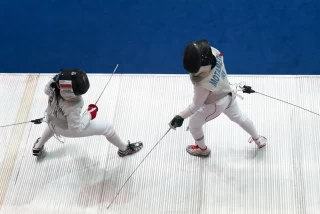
{"x": 115, "y": 140}
{"x": 200, "y": 142}
{"x": 46, "y": 135}
{"x": 250, "y": 128}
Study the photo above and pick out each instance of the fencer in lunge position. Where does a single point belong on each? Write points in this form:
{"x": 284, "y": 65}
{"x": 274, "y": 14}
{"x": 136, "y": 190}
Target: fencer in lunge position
{"x": 213, "y": 95}
{"x": 64, "y": 118}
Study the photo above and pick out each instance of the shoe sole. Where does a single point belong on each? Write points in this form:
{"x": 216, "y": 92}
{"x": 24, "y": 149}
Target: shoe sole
{"x": 204, "y": 155}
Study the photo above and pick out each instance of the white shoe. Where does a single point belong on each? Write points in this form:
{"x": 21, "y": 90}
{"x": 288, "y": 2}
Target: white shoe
{"x": 261, "y": 141}
{"x": 197, "y": 151}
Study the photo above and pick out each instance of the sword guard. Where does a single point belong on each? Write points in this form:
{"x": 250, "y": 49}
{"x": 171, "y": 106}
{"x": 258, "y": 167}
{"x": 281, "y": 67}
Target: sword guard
{"x": 247, "y": 89}
{"x": 37, "y": 121}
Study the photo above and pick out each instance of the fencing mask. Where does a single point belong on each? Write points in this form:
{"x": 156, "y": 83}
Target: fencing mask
{"x": 72, "y": 83}
{"x": 198, "y": 54}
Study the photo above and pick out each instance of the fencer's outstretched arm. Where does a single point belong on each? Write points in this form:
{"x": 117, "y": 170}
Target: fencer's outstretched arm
{"x": 76, "y": 122}
{"x": 199, "y": 96}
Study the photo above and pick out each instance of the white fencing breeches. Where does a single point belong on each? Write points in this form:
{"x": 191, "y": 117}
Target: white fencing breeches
{"x": 94, "y": 127}
{"x": 211, "y": 111}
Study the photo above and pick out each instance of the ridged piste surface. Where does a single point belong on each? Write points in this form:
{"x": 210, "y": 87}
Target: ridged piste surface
{"x": 83, "y": 175}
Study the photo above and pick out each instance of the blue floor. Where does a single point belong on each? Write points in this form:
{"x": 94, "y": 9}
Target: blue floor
{"x": 144, "y": 36}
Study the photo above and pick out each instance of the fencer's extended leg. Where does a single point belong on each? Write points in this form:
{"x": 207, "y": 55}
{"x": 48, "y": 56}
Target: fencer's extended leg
{"x": 236, "y": 115}
{"x": 99, "y": 127}
{"x": 39, "y": 144}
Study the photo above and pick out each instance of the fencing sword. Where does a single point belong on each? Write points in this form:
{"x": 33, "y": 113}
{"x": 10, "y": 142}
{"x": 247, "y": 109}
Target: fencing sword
{"x": 139, "y": 166}
{"x": 249, "y": 90}
{"x": 107, "y": 83}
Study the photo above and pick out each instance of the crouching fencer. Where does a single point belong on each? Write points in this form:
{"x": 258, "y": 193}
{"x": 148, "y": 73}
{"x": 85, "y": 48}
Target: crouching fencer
{"x": 63, "y": 113}
{"x": 213, "y": 95}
